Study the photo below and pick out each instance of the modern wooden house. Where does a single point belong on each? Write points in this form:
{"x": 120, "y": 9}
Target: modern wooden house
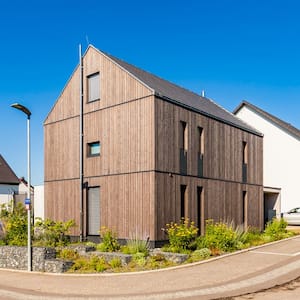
{"x": 281, "y": 158}
{"x": 152, "y": 152}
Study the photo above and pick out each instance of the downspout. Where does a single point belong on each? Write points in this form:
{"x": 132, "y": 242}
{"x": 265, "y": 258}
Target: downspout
{"x": 81, "y": 142}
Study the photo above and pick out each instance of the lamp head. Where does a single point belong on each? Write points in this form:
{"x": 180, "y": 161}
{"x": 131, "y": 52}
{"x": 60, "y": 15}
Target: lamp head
{"x": 21, "y": 107}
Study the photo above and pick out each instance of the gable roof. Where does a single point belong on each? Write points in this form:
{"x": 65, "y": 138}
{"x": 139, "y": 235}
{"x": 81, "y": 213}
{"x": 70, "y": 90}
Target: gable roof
{"x": 181, "y": 96}
{"x": 7, "y": 175}
{"x": 284, "y": 125}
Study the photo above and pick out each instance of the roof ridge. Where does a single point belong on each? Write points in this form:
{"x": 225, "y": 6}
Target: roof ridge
{"x": 154, "y": 75}
{"x": 288, "y": 126}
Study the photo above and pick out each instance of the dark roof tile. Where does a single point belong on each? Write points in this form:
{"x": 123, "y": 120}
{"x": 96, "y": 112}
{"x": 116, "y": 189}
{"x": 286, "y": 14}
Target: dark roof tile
{"x": 183, "y": 97}
{"x": 7, "y": 175}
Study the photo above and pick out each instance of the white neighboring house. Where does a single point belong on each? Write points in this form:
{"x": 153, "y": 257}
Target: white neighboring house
{"x": 281, "y": 164}
{"x": 39, "y": 201}
{"x": 37, "y": 197}
{"x": 9, "y": 182}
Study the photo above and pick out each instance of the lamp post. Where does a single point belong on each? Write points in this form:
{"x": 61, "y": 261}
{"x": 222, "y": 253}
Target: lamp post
{"x": 26, "y": 111}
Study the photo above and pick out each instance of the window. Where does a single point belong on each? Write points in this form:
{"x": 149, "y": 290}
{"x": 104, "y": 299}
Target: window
{"x": 93, "y": 218}
{"x": 245, "y": 210}
{"x": 200, "y": 151}
{"x": 245, "y": 162}
{"x": 183, "y": 136}
{"x": 200, "y": 141}
{"x": 183, "y": 201}
{"x": 93, "y": 149}
{"x": 93, "y": 87}
{"x": 245, "y": 153}
{"x": 200, "y": 210}
{"x": 183, "y": 147}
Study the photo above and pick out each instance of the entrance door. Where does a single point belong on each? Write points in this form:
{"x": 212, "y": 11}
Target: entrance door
{"x": 93, "y": 212}
{"x": 271, "y": 204}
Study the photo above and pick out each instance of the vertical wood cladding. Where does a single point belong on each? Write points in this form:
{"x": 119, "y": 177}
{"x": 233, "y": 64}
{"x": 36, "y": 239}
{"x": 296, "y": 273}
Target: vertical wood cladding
{"x": 222, "y": 145}
{"x": 123, "y": 121}
{"x": 126, "y": 134}
{"x": 138, "y": 170}
{"x": 222, "y": 201}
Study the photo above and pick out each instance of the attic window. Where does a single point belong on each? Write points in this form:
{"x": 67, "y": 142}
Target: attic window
{"x": 93, "y": 81}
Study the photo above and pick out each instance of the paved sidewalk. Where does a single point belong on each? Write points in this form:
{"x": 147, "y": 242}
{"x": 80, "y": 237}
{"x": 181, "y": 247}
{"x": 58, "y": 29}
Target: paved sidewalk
{"x": 230, "y": 275}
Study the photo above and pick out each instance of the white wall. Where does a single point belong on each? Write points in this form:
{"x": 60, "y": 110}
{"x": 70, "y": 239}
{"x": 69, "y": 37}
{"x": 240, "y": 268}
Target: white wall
{"x": 281, "y": 158}
{"x": 39, "y": 201}
{"x": 6, "y": 191}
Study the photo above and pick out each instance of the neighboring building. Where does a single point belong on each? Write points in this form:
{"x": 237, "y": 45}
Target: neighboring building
{"x": 281, "y": 158}
{"x": 37, "y": 197}
{"x": 23, "y": 190}
{"x": 153, "y": 153}
{"x": 9, "y": 182}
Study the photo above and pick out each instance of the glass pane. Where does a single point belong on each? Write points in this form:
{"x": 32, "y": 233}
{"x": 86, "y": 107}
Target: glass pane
{"x": 94, "y": 87}
{"x": 95, "y": 148}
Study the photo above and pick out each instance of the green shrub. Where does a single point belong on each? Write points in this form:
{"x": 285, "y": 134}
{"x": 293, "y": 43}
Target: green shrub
{"x": 200, "y": 254}
{"x": 250, "y": 237}
{"x": 49, "y": 233}
{"x": 157, "y": 261}
{"x": 136, "y": 245}
{"x": 115, "y": 262}
{"x": 181, "y": 236}
{"x": 109, "y": 240}
{"x": 139, "y": 258}
{"x": 89, "y": 264}
{"x": 91, "y": 244}
{"x": 276, "y": 230}
{"x": 67, "y": 254}
{"x": 14, "y": 224}
{"x": 218, "y": 237}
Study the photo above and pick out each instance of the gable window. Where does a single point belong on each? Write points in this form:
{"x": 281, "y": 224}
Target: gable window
{"x": 93, "y": 149}
{"x": 93, "y": 87}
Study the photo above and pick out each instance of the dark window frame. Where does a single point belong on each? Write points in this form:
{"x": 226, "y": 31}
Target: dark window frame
{"x": 89, "y": 148}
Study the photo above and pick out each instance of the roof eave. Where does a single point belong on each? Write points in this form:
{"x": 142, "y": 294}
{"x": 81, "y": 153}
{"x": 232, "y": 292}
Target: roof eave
{"x": 207, "y": 114}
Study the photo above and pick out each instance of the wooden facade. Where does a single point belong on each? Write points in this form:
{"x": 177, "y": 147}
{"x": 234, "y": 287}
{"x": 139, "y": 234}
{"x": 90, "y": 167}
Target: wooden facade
{"x": 139, "y": 169}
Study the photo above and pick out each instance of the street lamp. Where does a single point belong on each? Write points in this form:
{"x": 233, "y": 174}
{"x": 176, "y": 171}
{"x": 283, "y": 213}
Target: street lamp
{"x": 26, "y": 111}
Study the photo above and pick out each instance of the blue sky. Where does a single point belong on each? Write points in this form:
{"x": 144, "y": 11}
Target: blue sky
{"x": 232, "y": 49}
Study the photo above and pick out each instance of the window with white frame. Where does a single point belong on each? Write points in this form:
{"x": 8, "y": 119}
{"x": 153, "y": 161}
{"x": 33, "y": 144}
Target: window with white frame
{"x": 93, "y": 87}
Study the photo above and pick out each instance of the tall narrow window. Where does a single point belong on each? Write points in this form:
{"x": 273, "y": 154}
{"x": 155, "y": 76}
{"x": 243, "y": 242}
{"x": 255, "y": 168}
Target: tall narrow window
{"x": 183, "y": 147}
{"x": 93, "y": 211}
{"x": 200, "y": 151}
{"x": 245, "y": 210}
{"x": 245, "y": 162}
{"x": 200, "y": 212}
{"x": 183, "y": 201}
{"x": 93, "y": 87}
{"x": 93, "y": 149}
{"x": 184, "y": 136}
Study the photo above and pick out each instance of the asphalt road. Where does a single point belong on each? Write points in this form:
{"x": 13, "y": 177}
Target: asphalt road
{"x": 289, "y": 291}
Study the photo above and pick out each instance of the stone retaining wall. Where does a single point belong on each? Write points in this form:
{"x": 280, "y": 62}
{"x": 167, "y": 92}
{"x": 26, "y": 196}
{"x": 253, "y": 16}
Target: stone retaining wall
{"x": 43, "y": 259}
